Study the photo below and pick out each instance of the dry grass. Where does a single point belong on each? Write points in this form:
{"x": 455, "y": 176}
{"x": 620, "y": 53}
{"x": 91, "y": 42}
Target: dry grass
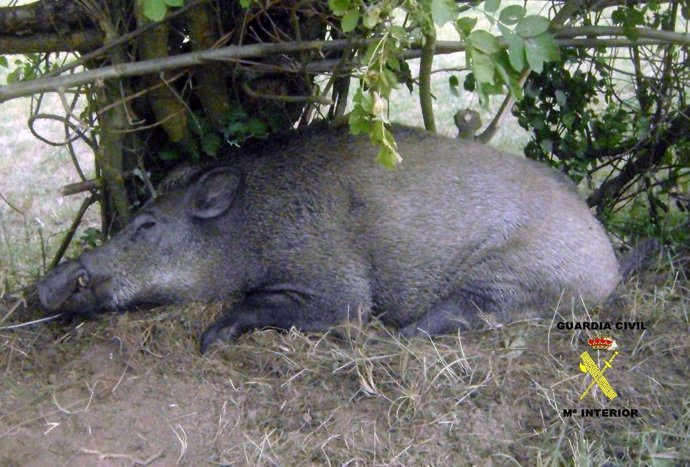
{"x": 134, "y": 385}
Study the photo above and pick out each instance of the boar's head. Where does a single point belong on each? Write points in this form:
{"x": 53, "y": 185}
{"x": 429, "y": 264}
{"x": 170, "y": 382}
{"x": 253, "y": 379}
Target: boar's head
{"x": 175, "y": 249}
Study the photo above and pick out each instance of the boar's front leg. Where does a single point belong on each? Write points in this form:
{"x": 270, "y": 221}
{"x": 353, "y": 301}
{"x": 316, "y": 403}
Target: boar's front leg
{"x": 274, "y": 310}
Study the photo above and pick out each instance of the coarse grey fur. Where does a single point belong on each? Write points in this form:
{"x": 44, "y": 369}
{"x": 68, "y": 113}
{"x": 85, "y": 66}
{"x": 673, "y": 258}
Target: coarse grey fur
{"x": 305, "y": 228}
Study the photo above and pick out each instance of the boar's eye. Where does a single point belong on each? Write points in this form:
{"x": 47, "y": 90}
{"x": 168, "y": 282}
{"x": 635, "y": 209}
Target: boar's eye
{"x": 144, "y": 227}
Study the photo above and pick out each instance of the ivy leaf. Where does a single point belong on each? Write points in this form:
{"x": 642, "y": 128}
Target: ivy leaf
{"x": 350, "y": 20}
{"x": 3, "y": 62}
{"x": 174, "y": 3}
{"x": 443, "y": 11}
{"x": 531, "y": 26}
{"x": 155, "y": 10}
{"x": 511, "y": 14}
{"x": 484, "y": 41}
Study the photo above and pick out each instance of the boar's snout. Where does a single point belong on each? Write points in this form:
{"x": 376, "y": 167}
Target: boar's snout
{"x": 66, "y": 284}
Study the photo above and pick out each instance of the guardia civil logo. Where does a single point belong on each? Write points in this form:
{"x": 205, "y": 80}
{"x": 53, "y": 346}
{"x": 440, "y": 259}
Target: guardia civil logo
{"x": 587, "y": 365}
{"x": 600, "y": 360}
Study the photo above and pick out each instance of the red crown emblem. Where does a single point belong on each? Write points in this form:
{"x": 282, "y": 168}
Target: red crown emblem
{"x": 599, "y": 342}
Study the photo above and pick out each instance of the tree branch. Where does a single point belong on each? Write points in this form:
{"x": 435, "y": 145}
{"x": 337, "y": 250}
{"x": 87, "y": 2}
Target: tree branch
{"x": 569, "y": 8}
{"x": 233, "y": 53}
{"x": 425, "y": 66}
{"x": 51, "y": 42}
{"x": 650, "y": 154}
{"x": 158, "y": 65}
{"x": 669, "y": 37}
{"x": 42, "y": 16}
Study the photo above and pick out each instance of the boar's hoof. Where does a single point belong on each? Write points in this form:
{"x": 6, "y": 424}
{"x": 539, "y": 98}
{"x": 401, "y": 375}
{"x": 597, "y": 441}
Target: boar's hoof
{"x": 220, "y": 332}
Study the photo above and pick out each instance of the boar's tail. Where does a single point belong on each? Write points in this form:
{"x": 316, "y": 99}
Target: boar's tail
{"x": 642, "y": 257}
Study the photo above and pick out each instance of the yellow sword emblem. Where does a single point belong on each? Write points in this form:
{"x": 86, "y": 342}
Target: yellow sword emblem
{"x": 588, "y": 366}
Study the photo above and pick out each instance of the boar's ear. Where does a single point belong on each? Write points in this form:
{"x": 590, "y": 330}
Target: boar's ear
{"x": 212, "y": 194}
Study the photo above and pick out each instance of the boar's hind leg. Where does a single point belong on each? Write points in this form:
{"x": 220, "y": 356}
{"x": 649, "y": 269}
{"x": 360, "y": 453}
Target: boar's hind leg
{"x": 273, "y": 310}
{"x": 462, "y": 310}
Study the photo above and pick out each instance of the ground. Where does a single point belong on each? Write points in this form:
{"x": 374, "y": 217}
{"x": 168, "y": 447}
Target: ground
{"x": 132, "y": 389}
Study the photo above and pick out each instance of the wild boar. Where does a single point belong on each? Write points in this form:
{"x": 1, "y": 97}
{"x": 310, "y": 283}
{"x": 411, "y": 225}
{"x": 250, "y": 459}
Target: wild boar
{"x": 305, "y": 227}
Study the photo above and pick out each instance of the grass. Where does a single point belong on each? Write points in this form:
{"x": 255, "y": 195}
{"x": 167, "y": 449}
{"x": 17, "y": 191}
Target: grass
{"x": 134, "y": 385}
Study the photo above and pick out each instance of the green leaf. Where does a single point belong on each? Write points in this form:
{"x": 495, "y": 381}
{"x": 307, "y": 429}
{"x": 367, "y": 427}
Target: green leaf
{"x": 454, "y": 83}
{"x": 350, "y": 20}
{"x": 511, "y": 14}
{"x": 483, "y": 95}
{"x": 561, "y": 98}
{"x": 508, "y": 75}
{"x": 541, "y": 49}
{"x": 3, "y": 62}
{"x": 199, "y": 125}
{"x": 618, "y": 16}
{"x": 482, "y": 67}
{"x": 257, "y": 127}
{"x": 245, "y": 3}
{"x": 210, "y": 144}
{"x": 466, "y": 24}
{"x": 388, "y": 82}
{"x": 174, "y": 3}
{"x": 236, "y": 129}
{"x": 169, "y": 155}
{"x": 491, "y": 5}
{"x": 155, "y": 10}
{"x": 371, "y": 17}
{"x": 443, "y": 11}
{"x": 470, "y": 83}
{"x": 388, "y": 158}
{"x": 531, "y": 26}
{"x": 484, "y": 41}
{"x": 359, "y": 122}
{"x": 340, "y": 7}
{"x": 13, "y": 77}
{"x": 516, "y": 48}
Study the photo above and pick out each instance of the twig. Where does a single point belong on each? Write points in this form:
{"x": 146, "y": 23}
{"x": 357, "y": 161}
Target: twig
{"x": 564, "y": 15}
{"x": 135, "y": 460}
{"x": 29, "y": 323}
{"x": 21, "y": 302}
{"x": 273, "y": 97}
{"x": 10, "y": 204}
{"x": 72, "y": 230}
{"x": 507, "y": 104}
{"x": 64, "y": 120}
